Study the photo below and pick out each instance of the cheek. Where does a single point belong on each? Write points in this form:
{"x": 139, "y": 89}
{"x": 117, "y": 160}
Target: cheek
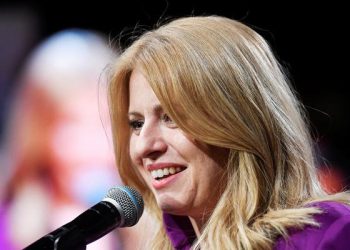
{"x": 136, "y": 160}
{"x": 208, "y": 162}
{"x": 208, "y": 168}
{"x": 132, "y": 151}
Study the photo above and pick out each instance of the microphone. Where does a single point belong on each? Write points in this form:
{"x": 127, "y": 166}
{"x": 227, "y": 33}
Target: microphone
{"x": 121, "y": 207}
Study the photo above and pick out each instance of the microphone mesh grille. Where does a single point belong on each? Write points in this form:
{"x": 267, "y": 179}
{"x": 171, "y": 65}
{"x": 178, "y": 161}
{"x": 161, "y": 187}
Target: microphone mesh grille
{"x": 130, "y": 201}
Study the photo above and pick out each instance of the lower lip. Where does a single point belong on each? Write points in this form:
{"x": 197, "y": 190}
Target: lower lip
{"x": 158, "y": 184}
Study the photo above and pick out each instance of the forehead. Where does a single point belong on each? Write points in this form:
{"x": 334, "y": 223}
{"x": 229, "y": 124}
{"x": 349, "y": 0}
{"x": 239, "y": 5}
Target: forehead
{"x": 137, "y": 78}
{"x": 141, "y": 94}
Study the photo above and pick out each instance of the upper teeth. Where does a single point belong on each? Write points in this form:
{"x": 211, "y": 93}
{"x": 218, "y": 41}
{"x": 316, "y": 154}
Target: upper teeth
{"x": 159, "y": 173}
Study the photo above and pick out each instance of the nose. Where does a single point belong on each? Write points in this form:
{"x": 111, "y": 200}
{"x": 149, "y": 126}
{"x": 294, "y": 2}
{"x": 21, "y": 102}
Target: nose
{"x": 150, "y": 142}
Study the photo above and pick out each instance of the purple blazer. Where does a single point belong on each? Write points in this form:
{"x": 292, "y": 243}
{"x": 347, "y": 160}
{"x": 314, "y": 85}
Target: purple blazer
{"x": 333, "y": 232}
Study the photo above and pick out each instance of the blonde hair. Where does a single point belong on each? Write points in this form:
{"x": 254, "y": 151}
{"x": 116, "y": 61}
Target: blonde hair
{"x": 220, "y": 82}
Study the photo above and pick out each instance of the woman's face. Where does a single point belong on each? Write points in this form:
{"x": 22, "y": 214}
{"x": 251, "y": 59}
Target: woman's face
{"x": 183, "y": 174}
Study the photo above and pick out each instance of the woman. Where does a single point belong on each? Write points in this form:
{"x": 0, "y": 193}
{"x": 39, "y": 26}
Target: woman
{"x": 208, "y": 129}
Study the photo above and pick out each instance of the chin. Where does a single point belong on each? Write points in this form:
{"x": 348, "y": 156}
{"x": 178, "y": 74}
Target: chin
{"x": 172, "y": 206}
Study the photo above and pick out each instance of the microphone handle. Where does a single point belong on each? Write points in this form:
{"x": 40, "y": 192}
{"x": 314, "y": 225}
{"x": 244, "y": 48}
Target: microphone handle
{"x": 89, "y": 226}
{"x": 59, "y": 239}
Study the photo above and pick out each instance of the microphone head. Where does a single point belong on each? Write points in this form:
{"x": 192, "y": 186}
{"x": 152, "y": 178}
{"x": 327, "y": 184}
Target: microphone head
{"x": 129, "y": 203}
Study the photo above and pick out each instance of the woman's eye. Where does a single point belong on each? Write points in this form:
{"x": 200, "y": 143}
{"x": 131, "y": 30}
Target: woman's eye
{"x": 168, "y": 120}
{"x": 136, "y": 124}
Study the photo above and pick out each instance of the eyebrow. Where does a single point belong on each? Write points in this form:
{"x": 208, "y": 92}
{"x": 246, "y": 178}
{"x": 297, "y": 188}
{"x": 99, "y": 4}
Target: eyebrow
{"x": 156, "y": 109}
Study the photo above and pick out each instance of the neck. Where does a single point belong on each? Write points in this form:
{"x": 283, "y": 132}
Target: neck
{"x": 197, "y": 225}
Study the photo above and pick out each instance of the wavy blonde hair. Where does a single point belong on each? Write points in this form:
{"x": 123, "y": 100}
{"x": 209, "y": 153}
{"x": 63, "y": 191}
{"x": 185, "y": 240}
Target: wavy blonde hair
{"x": 220, "y": 82}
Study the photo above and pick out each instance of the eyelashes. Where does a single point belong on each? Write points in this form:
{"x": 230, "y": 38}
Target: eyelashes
{"x": 167, "y": 118}
{"x": 137, "y": 124}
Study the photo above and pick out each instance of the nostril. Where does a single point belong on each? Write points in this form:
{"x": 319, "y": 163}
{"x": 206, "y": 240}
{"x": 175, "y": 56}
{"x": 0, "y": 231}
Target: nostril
{"x": 155, "y": 150}
{"x": 150, "y": 146}
{"x": 154, "y": 155}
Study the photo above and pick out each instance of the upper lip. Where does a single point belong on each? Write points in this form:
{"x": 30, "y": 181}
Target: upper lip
{"x": 155, "y": 166}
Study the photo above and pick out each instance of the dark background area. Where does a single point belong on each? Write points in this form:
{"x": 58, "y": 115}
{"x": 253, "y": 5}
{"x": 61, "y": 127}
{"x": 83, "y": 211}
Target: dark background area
{"x": 309, "y": 38}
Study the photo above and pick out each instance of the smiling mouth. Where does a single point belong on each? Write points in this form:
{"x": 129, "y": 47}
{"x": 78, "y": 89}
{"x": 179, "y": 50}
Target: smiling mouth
{"x": 163, "y": 173}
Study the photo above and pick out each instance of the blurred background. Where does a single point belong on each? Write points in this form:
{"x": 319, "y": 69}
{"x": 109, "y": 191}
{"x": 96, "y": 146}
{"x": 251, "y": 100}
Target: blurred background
{"x": 48, "y": 47}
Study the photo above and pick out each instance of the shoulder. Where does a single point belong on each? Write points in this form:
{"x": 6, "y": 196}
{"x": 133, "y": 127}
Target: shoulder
{"x": 333, "y": 231}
